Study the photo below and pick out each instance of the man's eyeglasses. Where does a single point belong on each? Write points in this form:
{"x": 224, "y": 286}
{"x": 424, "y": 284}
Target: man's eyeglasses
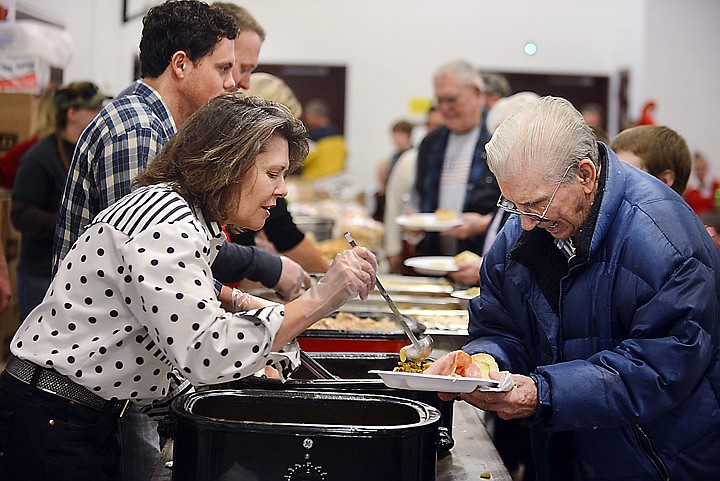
{"x": 508, "y": 206}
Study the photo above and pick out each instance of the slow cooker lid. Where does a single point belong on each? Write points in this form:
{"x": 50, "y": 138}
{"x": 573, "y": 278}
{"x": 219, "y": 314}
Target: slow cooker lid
{"x": 326, "y": 412}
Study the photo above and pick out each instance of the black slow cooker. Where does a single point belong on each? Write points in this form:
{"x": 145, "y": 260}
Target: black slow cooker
{"x": 351, "y": 369}
{"x": 268, "y": 435}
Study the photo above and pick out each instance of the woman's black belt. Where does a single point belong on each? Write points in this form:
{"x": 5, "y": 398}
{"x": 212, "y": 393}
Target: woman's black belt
{"x": 55, "y": 383}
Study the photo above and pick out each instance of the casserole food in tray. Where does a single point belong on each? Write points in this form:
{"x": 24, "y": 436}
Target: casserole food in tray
{"x": 350, "y": 335}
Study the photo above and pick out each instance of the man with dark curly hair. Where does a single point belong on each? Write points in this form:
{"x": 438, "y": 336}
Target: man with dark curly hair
{"x": 186, "y": 57}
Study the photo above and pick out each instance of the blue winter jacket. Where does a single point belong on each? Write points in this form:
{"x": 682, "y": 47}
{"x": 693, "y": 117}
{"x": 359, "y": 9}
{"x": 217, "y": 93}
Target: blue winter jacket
{"x": 622, "y": 339}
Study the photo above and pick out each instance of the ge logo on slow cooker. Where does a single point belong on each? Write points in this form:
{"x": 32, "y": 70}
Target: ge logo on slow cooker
{"x": 307, "y": 443}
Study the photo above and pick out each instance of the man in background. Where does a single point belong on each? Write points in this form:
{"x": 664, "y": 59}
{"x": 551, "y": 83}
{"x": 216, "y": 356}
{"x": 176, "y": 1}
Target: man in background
{"x": 327, "y": 147}
{"x": 249, "y": 39}
{"x": 452, "y": 172}
{"x": 496, "y": 87}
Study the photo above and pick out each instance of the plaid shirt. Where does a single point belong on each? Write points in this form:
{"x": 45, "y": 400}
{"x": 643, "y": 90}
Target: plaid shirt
{"x": 111, "y": 152}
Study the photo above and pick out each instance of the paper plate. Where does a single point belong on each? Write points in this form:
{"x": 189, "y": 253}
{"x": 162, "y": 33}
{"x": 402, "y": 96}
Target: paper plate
{"x": 432, "y": 265}
{"x": 430, "y": 382}
{"x": 428, "y": 222}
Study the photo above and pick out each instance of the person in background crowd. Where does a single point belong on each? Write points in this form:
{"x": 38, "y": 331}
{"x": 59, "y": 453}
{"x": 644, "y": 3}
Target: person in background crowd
{"x": 39, "y": 185}
{"x": 594, "y": 115}
{"x": 701, "y": 192}
{"x": 42, "y": 122}
{"x": 271, "y": 87}
{"x": 327, "y": 147}
{"x": 451, "y": 171}
{"x": 138, "y": 299}
{"x": 280, "y": 231}
{"x": 657, "y": 150}
{"x": 496, "y": 87}
{"x": 401, "y": 134}
{"x": 249, "y": 39}
{"x": 399, "y": 200}
{"x": 601, "y": 295}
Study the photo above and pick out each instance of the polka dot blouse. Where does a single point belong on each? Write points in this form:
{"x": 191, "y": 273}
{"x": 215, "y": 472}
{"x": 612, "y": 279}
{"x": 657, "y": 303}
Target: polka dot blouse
{"x": 134, "y": 298}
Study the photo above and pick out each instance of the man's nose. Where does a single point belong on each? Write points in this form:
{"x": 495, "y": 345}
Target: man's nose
{"x": 243, "y": 81}
{"x": 528, "y": 223}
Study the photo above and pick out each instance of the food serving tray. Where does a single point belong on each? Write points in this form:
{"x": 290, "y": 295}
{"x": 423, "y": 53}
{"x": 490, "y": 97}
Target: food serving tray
{"x": 340, "y": 340}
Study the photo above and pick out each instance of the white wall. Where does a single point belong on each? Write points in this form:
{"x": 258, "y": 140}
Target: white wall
{"x": 391, "y": 48}
{"x": 681, "y": 70}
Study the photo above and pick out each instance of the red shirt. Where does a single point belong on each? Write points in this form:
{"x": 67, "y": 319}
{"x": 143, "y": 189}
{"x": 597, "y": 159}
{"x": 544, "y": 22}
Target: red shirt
{"x": 701, "y": 200}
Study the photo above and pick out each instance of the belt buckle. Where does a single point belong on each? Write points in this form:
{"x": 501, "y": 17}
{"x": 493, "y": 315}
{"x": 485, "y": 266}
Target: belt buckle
{"x": 124, "y": 408}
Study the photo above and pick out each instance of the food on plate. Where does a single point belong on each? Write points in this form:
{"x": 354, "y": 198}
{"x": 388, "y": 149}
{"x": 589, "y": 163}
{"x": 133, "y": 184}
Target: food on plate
{"x": 416, "y": 220}
{"x": 456, "y": 363}
{"x": 486, "y": 363}
{"x": 439, "y": 264}
{"x": 445, "y": 215}
{"x": 345, "y": 321}
{"x": 411, "y": 366}
{"x": 460, "y": 363}
{"x": 473, "y": 291}
{"x": 466, "y": 256}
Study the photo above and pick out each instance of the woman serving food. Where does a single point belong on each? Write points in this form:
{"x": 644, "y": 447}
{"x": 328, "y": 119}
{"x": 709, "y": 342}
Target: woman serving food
{"x": 135, "y": 298}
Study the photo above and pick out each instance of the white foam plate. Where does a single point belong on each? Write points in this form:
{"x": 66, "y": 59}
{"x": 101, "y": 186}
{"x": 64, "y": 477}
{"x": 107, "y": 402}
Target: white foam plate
{"x": 430, "y": 382}
{"x": 428, "y": 222}
{"x": 432, "y": 265}
{"x": 464, "y": 294}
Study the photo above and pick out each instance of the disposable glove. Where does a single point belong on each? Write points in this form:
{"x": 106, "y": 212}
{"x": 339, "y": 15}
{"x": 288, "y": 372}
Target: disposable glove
{"x": 293, "y": 280}
{"x": 351, "y": 273}
{"x": 242, "y": 301}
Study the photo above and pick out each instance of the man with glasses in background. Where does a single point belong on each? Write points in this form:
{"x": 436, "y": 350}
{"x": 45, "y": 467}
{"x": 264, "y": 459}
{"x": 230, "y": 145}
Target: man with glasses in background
{"x": 452, "y": 173}
{"x": 601, "y": 296}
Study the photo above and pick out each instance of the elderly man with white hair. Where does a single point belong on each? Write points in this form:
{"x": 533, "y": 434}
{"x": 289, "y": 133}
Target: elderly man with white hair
{"x": 601, "y": 295}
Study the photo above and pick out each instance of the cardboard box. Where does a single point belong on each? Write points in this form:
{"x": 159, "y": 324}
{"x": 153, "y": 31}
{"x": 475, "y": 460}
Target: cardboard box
{"x": 16, "y": 121}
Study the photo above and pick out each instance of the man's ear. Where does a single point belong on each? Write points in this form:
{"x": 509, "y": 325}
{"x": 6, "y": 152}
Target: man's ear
{"x": 179, "y": 63}
{"x": 587, "y": 174}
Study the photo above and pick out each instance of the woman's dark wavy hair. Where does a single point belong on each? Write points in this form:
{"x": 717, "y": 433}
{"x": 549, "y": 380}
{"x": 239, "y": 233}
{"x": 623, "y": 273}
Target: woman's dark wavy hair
{"x": 207, "y": 158}
{"x": 188, "y": 25}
